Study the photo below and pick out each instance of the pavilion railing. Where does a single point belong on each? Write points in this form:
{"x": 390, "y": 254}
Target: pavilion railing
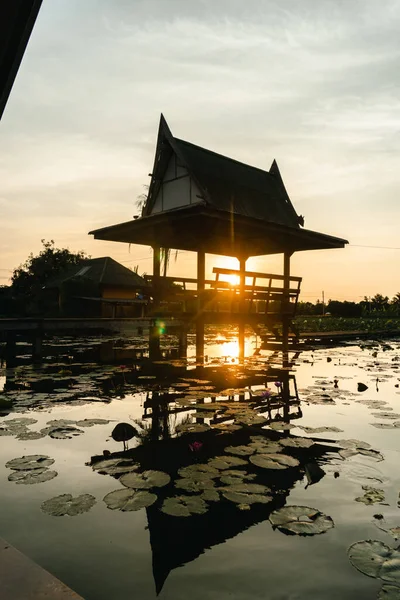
{"x": 263, "y": 294}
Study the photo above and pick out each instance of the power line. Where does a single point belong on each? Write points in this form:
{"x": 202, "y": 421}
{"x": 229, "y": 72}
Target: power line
{"x": 376, "y": 247}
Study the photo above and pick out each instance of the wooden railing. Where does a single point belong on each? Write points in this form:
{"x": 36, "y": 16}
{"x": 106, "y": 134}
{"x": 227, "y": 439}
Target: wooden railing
{"x": 180, "y": 294}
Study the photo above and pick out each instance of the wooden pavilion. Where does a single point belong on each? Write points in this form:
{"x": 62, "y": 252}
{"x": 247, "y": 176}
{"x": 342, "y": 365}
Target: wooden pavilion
{"x": 204, "y": 202}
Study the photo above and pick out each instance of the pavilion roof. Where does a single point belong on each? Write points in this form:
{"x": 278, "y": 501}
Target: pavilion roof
{"x": 241, "y": 210}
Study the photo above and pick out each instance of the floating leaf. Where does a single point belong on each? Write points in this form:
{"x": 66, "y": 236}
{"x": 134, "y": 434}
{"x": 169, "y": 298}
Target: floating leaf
{"x": 281, "y": 426}
{"x": 17, "y": 422}
{"x": 31, "y": 461}
{"x": 372, "y": 495}
{"x": 389, "y": 592}
{"x": 369, "y": 557}
{"x": 68, "y": 505}
{"x": 386, "y": 415}
{"x": 91, "y": 422}
{"x": 320, "y": 429}
{"x": 265, "y": 446}
{"x": 247, "y": 493}
{"x": 240, "y": 450}
{"x": 192, "y": 428}
{"x": 194, "y": 486}
{"x": 65, "y": 432}
{"x": 199, "y": 472}
{"x": 226, "y": 462}
{"x": 300, "y": 520}
{"x": 274, "y": 461}
{"x": 128, "y": 500}
{"x": 115, "y": 466}
{"x": 145, "y": 480}
{"x": 210, "y": 495}
{"x": 184, "y": 506}
{"x": 33, "y": 476}
{"x": 296, "y": 442}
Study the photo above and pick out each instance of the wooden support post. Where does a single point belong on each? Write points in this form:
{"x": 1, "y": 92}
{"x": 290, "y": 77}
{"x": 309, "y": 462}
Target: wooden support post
{"x": 182, "y": 348}
{"x": 286, "y": 308}
{"x": 201, "y": 276}
{"x": 154, "y": 333}
{"x": 37, "y": 349}
{"x": 242, "y": 307}
{"x": 11, "y": 350}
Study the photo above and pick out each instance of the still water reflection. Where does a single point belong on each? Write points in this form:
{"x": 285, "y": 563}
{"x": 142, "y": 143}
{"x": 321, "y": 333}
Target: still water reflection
{"x": 194, "y": 504}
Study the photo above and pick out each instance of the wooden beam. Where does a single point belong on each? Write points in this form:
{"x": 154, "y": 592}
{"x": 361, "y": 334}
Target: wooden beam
{"x": 242, "y": 307}
{"x": 286, "y": 307}
{"x": 201, "y": 275}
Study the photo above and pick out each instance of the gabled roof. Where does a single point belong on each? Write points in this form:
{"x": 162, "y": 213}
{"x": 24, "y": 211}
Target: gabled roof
{"x": 226, "y": 184}
{"x": 103, "y": 271}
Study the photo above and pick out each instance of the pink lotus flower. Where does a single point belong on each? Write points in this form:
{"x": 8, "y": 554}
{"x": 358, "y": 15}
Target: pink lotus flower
{"x": 266, "y": 393}
{"x": 196, "y": 446}
{"x": 278, "y": 384}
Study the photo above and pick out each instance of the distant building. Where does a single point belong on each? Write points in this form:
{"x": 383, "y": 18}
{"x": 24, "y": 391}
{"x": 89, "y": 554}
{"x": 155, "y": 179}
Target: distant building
{"x": 99, "y": 287}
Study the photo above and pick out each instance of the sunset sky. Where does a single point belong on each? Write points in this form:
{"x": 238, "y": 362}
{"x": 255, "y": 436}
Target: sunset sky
{"x": 314, "y": 84}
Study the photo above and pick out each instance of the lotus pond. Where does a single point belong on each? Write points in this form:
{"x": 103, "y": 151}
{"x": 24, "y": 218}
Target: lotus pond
{"x": 130, "y": 479}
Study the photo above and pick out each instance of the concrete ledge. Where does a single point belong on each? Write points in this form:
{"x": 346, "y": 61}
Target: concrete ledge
{"x": 22, "y": 579}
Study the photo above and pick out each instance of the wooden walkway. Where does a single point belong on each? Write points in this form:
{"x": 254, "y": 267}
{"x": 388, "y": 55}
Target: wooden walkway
{"x": 22, "y": 579}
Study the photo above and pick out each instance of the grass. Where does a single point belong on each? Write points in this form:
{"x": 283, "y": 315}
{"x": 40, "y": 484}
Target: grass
{"x": 311, "y": 324}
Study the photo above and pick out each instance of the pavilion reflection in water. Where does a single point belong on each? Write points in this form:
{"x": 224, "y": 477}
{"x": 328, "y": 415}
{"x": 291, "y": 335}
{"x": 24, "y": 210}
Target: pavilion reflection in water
{"x": 216, "y": 421}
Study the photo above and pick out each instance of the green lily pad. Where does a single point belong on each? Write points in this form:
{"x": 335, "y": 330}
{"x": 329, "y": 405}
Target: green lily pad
{"x": 128, "y": 500}
{"x": 65, "y": 432}
{"x": 281, "y": 426}
{"x": 296, "y": 442}
{"x": 17, "y": 422}
{"x": 211, "y": 495}
{"x": 31, "y": 461}
{"x": 115, "y": 466}
{"x": 389, "y": 592}
{"x": 91, "y": 422}
{"x": 247, "y": 493}
{"x": 145, "y": 480}
{"x": 33, "y": 476}
{"x": 192, "y": 428}
{"x": 265, "y": 446}
{"x": 369, "y": 557}
{"x": 194, "y": 486}
{"x": 30, "y": 435}
{"x": 274, "y": 461}
{"x": 239, "y": 450}
{"x": 184, "y": 506}
{"x": 320, "y": 429}
{"x": 66, "y": 504}
{"x": 372, "y": 495}
{"x": 198, "y": 472}
{"x": 300, "y": 520}
{"x": 226, "y": 462}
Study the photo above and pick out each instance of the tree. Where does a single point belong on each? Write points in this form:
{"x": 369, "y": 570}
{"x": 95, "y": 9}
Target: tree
{"x": 28, "y": 279}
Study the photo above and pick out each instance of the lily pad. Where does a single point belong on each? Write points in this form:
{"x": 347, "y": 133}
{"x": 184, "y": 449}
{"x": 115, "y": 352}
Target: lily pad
{"x": 33, "y": 476}
{"x": 389, "y": 592}
{"x": 30, "y": 435}
{"x": 199, "y": 472}
{"x": 274, "y": 461}
{"x": 247, "y": 493}
{"x": 320, "y": 429}
{"x": 281, "y": 426}
{"x": 17, "y": 422}
{"x": 184, "y": 506}
{"x": 192, "y": 428}
{"x": 370, "y": 556}
{"x": 65, "y": 432}
{"x": 300, "y": 520}
{"x": 145, "y": 480}
{"x": 115, "y": 466}
{"x": 240, "y": 450}
{"x": 296, "y": 442}
{"x": 265, "y": 446}
{"x": 128, "y": 500}
{"x": 91, "y": 422}
{"x": 372, "y": 495}
{"x": 386, "y": 415}
{"x": 194, "y": 486}
{"x": 211, "y": 495}
{"x": 226, "y": 462}
{"x": 66, "y": 504}
{"x": 30, "y": 462}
